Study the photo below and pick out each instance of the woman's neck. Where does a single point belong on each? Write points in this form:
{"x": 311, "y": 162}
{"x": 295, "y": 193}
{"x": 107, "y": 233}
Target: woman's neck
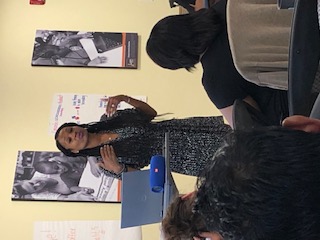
{"x": 94, "y": 140}
{"x": 97, "y": 139}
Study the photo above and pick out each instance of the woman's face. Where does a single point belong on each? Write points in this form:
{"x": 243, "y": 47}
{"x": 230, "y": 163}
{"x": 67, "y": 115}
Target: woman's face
{"x": 73, "y": 138}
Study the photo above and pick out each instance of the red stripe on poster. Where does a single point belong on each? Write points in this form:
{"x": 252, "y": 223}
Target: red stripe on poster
{"x": 124, "y": 44}
{"x": 119, "y": 191}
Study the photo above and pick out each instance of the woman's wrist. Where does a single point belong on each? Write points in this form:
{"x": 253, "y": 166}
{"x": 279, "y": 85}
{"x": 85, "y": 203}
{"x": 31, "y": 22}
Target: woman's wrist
{"x": 117, "y": 169}
{"x": 123, "y": 168}
{"x": 116, "y": 174}
{"x": 127, "y": 99}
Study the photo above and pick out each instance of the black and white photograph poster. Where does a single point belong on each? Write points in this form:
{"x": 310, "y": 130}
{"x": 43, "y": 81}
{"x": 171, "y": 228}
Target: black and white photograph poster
{"x": 85, "y": 49}
{"x": 43, "y": 175}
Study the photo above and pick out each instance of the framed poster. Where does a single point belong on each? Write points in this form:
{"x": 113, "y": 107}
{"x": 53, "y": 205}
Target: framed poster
{"x": 52, "y": 176}
{"x": 85, "y": 49}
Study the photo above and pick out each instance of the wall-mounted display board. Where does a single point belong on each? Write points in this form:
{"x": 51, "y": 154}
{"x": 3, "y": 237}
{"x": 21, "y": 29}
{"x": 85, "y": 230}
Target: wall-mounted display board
{"x": 85, "y": 49}
{"x": 84, "y": 230}
{"x": 80, "y": 108}
{"x": 42, "y": 175}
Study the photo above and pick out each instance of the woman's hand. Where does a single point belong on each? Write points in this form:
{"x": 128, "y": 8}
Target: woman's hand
{"x": 85, "y": 35}
{"x": 109, "y": 159}
{"x": 98, "y": 60}
{"x": 84, "y": 190}
{"x": 113, "y": 103}
{"x": 79, "y": 196}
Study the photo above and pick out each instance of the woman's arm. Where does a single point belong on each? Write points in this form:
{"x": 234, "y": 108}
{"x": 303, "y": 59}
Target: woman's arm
{"x": 77, "y": 196}
{"x": 110, "y": 162}
{"x": 114, "y": 101}
{"x": 64, "y": 42}
{"x": 199, "y": 4}
{"x": 227, "y": 112}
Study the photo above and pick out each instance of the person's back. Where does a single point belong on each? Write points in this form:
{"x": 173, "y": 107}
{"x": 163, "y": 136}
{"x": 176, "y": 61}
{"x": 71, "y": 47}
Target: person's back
{"x": 259, "y": 35}
{"x": 224, "y": 84}
{"x": 263, "y": 184}
{"x": 182, "y": 41}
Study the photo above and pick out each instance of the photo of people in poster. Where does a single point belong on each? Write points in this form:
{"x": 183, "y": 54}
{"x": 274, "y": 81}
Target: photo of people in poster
{"x": 56, "y": 177}
{"x": 85, "y": 49}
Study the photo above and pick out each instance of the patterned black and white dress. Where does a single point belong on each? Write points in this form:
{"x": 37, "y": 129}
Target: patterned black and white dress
{"x": 192, "y": 141}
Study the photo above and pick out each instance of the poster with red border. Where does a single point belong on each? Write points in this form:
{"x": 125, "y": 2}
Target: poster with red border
{"x": 52, "y": 176}
{"x": 85, "y": 49}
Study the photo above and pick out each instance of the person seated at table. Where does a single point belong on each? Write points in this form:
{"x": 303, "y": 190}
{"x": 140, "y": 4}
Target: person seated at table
{"x": 262, "y": 184}
{"x": 182, "y": 41}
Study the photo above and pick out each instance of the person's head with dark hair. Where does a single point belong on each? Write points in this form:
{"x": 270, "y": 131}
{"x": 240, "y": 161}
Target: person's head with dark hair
{"x": 19, "y": 190}
{"x": 62, "y": 142}
{"x": 181, "y": 222}
{"x": 34, "y": 185}
{"x": 51, "y": 167}
{"x": 73, "y": 139}
{"x": 179, "y": 41}
{"x": 263, "y": 184}
{"x": 48, "y": 51}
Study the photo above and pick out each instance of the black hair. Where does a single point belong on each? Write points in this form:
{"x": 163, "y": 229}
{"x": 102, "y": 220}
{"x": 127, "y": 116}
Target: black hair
{"x": 41, "y": 166}
{"x": 94, "y": 127}
{"x": 19, "y": 190}
{"x": 263, "y": 184}
{"x": 178, "y": 41}
{"x": 180, "y": 221}
{"x": 48, "y": 51}
{"x": 120, "y": 119}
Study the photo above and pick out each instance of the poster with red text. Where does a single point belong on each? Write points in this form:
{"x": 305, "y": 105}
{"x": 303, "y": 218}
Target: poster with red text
{"x": 80, "y": 108}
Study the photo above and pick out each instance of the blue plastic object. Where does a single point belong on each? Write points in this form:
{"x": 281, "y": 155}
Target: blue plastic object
{"x": 157, "y": 173}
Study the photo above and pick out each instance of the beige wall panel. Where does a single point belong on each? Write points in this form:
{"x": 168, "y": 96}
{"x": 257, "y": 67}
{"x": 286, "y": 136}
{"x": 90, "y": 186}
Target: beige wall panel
{"x": 26, "y": 94}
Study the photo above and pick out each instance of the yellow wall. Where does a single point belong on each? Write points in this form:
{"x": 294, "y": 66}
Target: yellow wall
{"x": 26, "y": 93}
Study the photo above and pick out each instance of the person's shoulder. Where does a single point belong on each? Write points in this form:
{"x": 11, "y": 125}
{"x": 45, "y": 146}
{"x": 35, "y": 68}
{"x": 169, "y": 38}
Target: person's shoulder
{"x": 103, "y": 118}
{"x": 220, "y": 7}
